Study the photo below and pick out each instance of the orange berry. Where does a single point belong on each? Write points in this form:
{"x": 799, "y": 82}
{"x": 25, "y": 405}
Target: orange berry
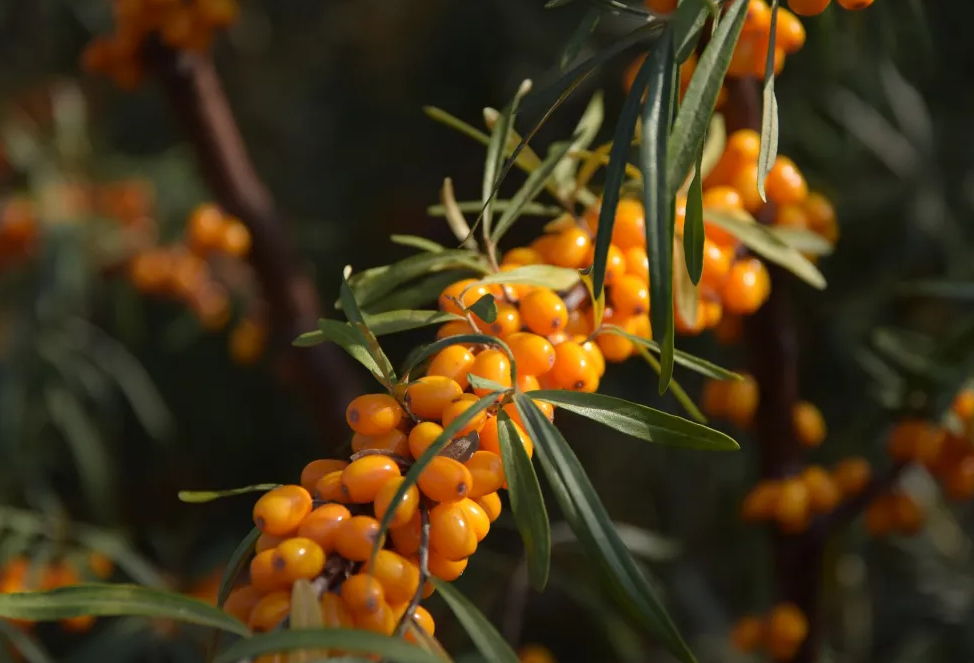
{"x": 205, "y": 229}
{"x": 265, "y": 575}
{"x": 821, "y": 217}
{"x": 637, "y": 263}
{"x": 761, "y": 502}
{"x": 217, "y": 13}
{"x": 908, "y": 518}
{"x": 487, "y": 472}
{"x": 268, "y": 541}
{"x": 316, "y": 469}
{"x": 544, "y": 312}
{"x": 746, "y": 182}
{"x": 963, "y": 405}
{"x": 299, "y": 558}
{"x": 714, "y": 398}
{"x": 456, "y": 297}
{"x": 594, "y": 353}
{"x": 793, "y": 508}
{"x": 363, "y": 594}
{"x": 917, "y": 441}
{"x": 451, "y": 535}
{"x": 684, "y": 326}
{"x": 880, "y": 516}
{"x": 746, "y": 287}
{"x": 808, "y": 7}
{"x": 629, "y": 229}
{"x": 241, "y": 601}
{"x": 423, "y": 620}
{"x": 789, "y": 32}
{"x": 570, "y": 248}
{"x": 458, "y": 407}
{"x": 748, "y": 633}
{"x": 381, "y": 621}
{"x": 395, "y": 442}
{"x": 809, "y": 424}
{"x": 758, "y": 19}
{"x": 491, "y": 504}
{"x": 334, "y": 612}
{"x": 660, "y": 6}
{"x": 713, "y": 313}
{"x": 823, "y": 492}
{"x": 680, "y": 218}
{"x": 476, "y": 517}
{"x": 373, "y": 414}
{"x": 453, "y": 362}
{"x": 537, "y": 653}
{"x": 528, "y": 383}
{"x": 363, "y": 478}
{"x": 630, "y": 296}
{"x": 787, "y": 630}
{"x": 445, "y": 569}
{"x": 522, "y": 256}
{"x": 785, "y": 184}
{"x": 854, "y": 5}
{"x": 422, "y": 436}
{"x": 398, "y": 576}
{"x": 791, "y": 216}
{"x": 329, "y": 488}
{"x": 742, "y": 400}
{"x": 507, "y": 322}
{"x": 445, "y": 480}
{"x": 615, "y": 264}
{"x": 429, "y": 396}
{"x": 101, "y": 564}
{"x": 533, "y": 354}
{"x": 280, "y": 511}
{"x": 717, "y": 261}
{"x": 405, "y": 509}
{"x": 573, "y": 368}
{"x": 723, "y": 199}
{"x": 408, "y": 538}
{"x": 851, "y": 475}
{"x": 492, "y": 365}
{"x": 356, "y": 537}
{"x": 270, "y": 611}
{"x": 489, "y": 440}
{"x": 322, "y": 525}
{"x": 958, "y": 480}
{"x": 454, "y": 328}
{"x": 235, "y": 240}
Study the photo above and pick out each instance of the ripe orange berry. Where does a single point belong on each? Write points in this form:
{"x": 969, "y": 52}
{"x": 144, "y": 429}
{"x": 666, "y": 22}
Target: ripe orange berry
{"x": 363, "y": 594}
{"x": 406, "y": 507}
{"x": 454, "y": 328}
{"x": 270, "y": 611}
{"x": 491, "y": 504}
{"x": 456, "y": 297}
{"x": 235, "y": 239}
{"x": 808, "y": 7}
{"x": 742, "y": 400}
{"x": 537, "y": 653}
{"x": 316, "y": 469}
{"x": 908, "y": 518}
{"x": 793, "y": 508}
{"x": 264, "y": 574}
{"x": 423, "y": 620}
{"x": 334, "y": 612}
{"x": 363, "y": 478}
{"x": 329, "y": 488}
{"x": 785, "y": 184}
{"x": 851, "y": 475}
{"x": 717, "y": 261}
{"x": 629, "y": 229}
{"x": 489, "y": 440}
{"x": 823, "y": 493}
{"x": 758, "y": 19}
{"x": 429, "y": 396}
{"x": 451, "y": 535}
{"x": 422, "y": 436}
{"x": 458, "y": 407}
{"x": 101, "y": 564}
{"x": 217, "y": 13}
{"x": 476, "y": 516}
{"x": 821, "y": 216}
{"x": 854, "y": 5}
{"x": 714, "y": 398}
{"x": 298, "y": 558}
{"x": 280, "y": 511}
{"x": 522, "y": 256}
{"x": 544, "y": 312}
{"x": 660, "y": 7}
{"x": 395, "y": 442}
{"x": 453, "y": 362}
{"x": 487, "y": 472}
{"x": 507, "y": 322}
{"x": 880, "y": 516}
{"x": 381, "y": 621}
{"x": 205, "y": 228}
{"x": 917, "y": 441}
{"x": 630, "y": 296}
{"x": 615, "y": 264}
{"x": 594, "y": 353}
{"x": 407, "y": 539}
{"x": 637, "y": 264}
{"x": 809, "y": 424}
{"x": 570, "y": 248}
{"x": 533, "y": 354}
{"x": 398, "y": 576}
{"x": 446, "y": 569}
{"x": 573, "y": 369}
{"x": 322, "y": 525}
{"x": 268, "y": 541}
{"x": 963, "y": 405}
{"x": 356, "y": 537}
{"x": 789, "y": 32}
{"x": 958, "y": 480}
{"x": 492, "y": 365}
{"x": 241, "y": 601}
{"x": 373, "y": 414}
{"x": 746, "y": 287}
{"x": 748, "y": 633}
{"x": 761, "y": 502}
{"x": 445, "y": 480}
{"x": 787, "y": 630}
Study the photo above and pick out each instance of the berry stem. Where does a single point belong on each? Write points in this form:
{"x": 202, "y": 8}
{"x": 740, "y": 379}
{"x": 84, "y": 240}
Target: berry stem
{"x": 322, "y": 374}
{"x": 424, "y": 573}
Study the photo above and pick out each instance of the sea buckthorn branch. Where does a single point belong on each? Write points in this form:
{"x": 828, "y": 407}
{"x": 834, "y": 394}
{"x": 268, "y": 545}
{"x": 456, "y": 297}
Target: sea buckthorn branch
{"x": 322, "y": 373}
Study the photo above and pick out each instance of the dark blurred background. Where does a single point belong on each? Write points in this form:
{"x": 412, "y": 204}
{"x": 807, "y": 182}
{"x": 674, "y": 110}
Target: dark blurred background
{"x": 876, "y": 110}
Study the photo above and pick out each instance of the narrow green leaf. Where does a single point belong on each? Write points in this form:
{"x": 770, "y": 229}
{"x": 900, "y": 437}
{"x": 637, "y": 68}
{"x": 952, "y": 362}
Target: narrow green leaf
{"x": 767, "y": 244}
{"x": 350, "y": 640}
{"x": 769, "y": 113}
{"x": 349, "y": 339}
{"x": 620, "y": 8}
{"x": 714, "y": 144}
{"x": 202, "y": 496}
{"x": 417, "y": 293}
{"x": 495, "y": 156}
{"x": 678, "y": 392}
{"x": 615, "y": 172}
{"x": 805, "y": 241}
{"x": 310, "y": 339}
{"x": 104, "y": 600}
{"x": 531, "y": 209}
{"x": 592, "y": 525}
{"x": 478, "y": 382}
{"x": 417, "y": 242}
{"x": 685, "y": 359}
{"x": 959, "y": 290}
{"x": 687, "y": 22}
{"x": 456, "y": 124}
{"x": 527, "y": 501}
{"x": 686, "y": 295}
{"x": 454, "y": 216}
{"x": 581, "y": 34}
{"x": 658, "y": 201}
{"x": 639, "y": 421}
{"x": 699, "y": 101}
{"x": 418, "y": 355}
{"x": 585, "y": 132}
{"x": 532, "y": 186}
{"x": 443, "y": 439}
{"x": 485, "y": 308}
{"x": 489, "y": 642}
{"x": 354, "y": 314}
{"x": 393, "y": 322}
{"x": 377, "y": 282}
{"x": 693, "y": 232}
{"x": 545, "y": 276}
{"x": 236, "y": 564}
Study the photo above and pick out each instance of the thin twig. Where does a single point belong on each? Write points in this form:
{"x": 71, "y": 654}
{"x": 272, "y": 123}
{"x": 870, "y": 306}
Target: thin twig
{"x": 424, "y": 572}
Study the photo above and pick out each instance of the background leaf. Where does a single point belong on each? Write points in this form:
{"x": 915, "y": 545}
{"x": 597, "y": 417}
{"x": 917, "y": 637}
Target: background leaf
{"x": 485, "y": 308}
{"x": 352, "y": 640}
{"x": 693, "y": 232}
{"x": 417, "y": 242}
{"x": 202, "y": 496}
{"x": 236, "y": 564}
{"x": 546, "y": 276}
{"x": 486, "y": 638}
{"x": 392, "y": 322}
{"x": 769, "y": 112}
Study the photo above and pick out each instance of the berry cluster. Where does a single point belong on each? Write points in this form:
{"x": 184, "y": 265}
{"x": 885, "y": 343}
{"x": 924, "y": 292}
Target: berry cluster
{"x": 535, "y": 654}
{"x": 780, "y": 633}
{"x": 21, "y": 574}
{"x": 816, "y": 7}
{"x": 187, "y": 272}
{"x": 185, "y": 25}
